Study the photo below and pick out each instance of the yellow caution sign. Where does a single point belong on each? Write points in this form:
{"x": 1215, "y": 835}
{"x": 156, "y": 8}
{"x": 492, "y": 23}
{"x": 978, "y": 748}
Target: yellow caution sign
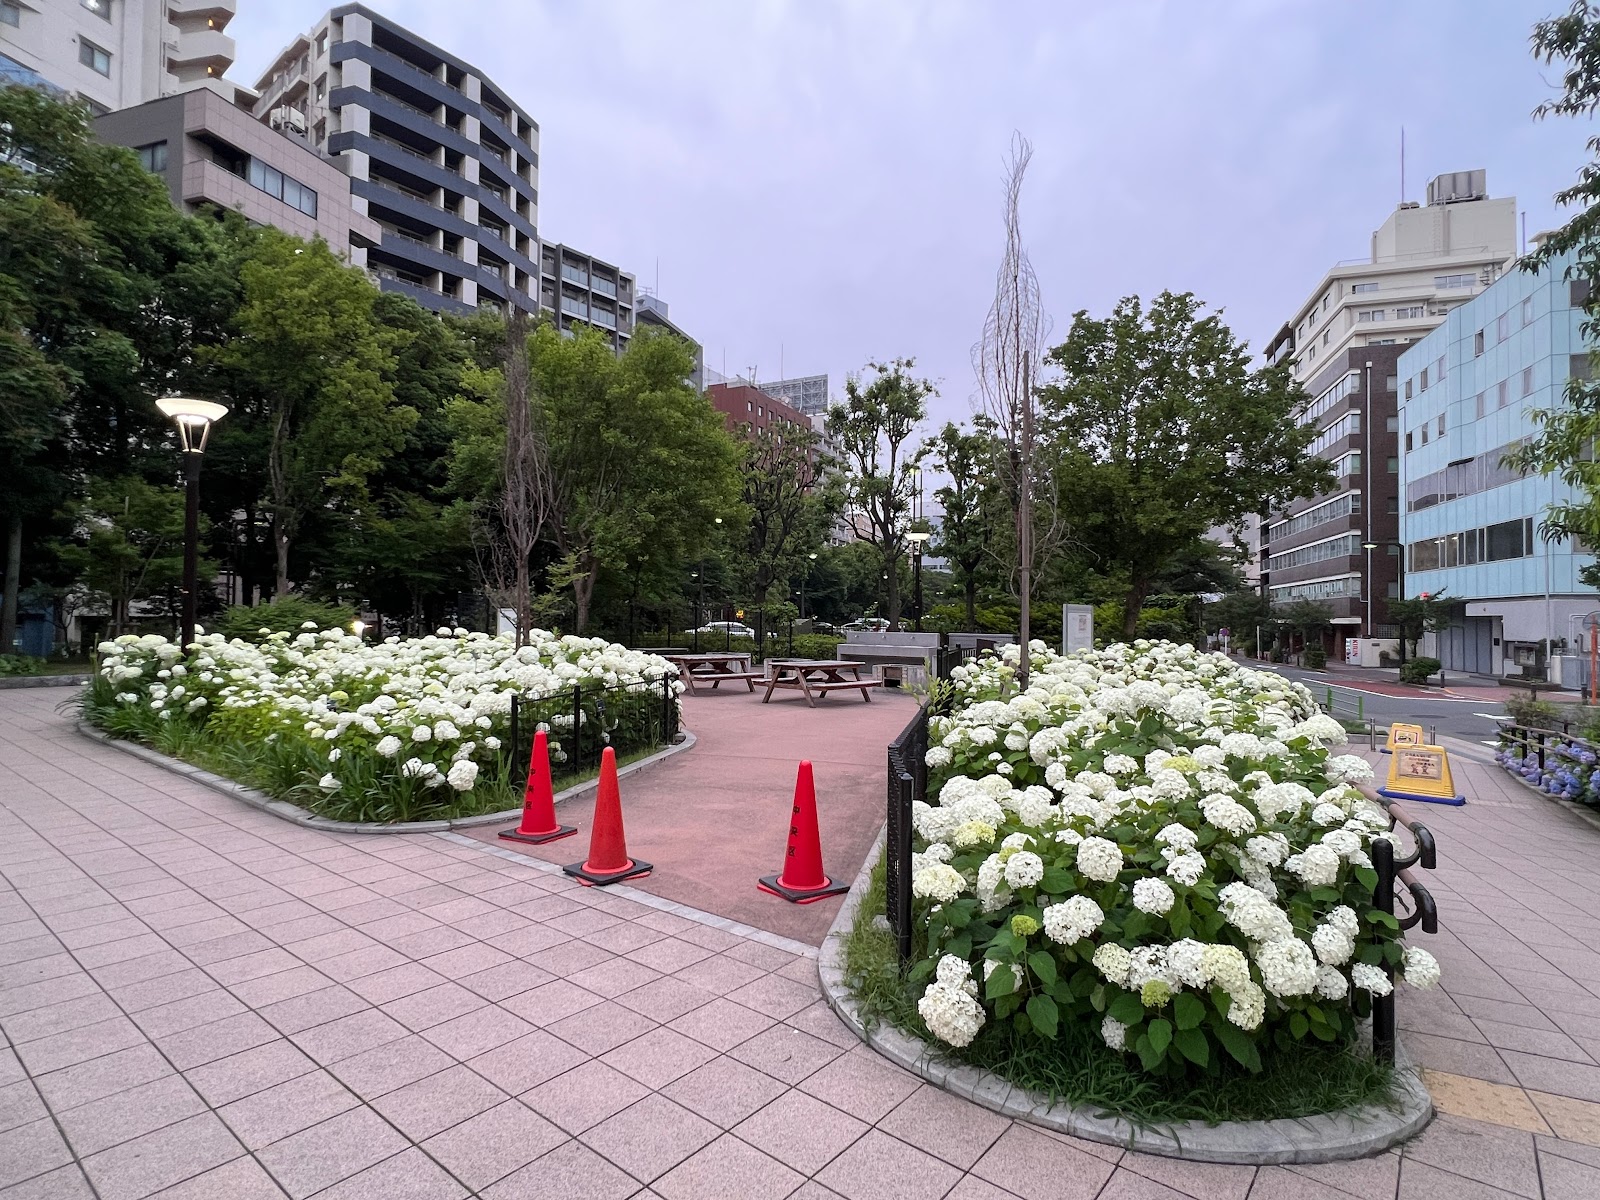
{"x": 1401, "y": 734}
{"x": 1421, "y": 773}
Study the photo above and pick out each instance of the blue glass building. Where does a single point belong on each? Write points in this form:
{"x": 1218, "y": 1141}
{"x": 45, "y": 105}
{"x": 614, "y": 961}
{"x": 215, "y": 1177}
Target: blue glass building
{"x": 1471, "y": 527}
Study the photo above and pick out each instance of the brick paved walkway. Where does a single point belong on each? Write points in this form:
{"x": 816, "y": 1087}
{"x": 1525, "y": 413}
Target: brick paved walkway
{"x": 201, "y": 1001}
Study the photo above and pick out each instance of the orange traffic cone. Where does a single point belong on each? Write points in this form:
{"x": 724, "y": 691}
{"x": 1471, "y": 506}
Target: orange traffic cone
{"x": 539, "y": 823}
{"x": 608, "y": 860}
{"x": 802, "y": 880}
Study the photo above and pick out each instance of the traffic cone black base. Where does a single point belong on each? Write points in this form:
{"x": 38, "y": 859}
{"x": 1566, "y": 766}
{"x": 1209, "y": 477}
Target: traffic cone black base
{"x": 773, "y": 884}
{"x": 580, "y": 871}
{"x": 539, "y": 839}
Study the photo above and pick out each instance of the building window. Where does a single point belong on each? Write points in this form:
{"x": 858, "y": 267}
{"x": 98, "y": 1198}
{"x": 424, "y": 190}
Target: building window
{"x": 275, "y": 183}
{"x": 1408, "y": 389}
{"x": 322, "y": 43}
{"x": 1502, "y": 394}
{"x": 153, "y": 157}
{"x": 322, "y": 86}
{"x": 1394, "y": 507}
{"x": 100, "y": 8}
{"x": 1438, "y": 370}
{"x": 1325, "y": 337}
{"x": 1391, "y": 424}
{"x": 1455, "y": 281}
{"x": 1477, "y": 343}
{"x": 1580, "y": 366}
{"x": 10, "y": 14}
{"x": 1441, "y": 425}
{"x": 1527, "y": 381}
{"x": 1358, "y": 288}
{"x": 1478, "y": 407}
{"x": 1578, "y": 293}
{"x": 1423, "y": 386}
{"x": 1409, "y": 446}
{"x": 1394, "y": 465}
{"x": 1391, "y": 383}
{"x": 1502, "y": 327}
{"x": 1527, "y": 312}
{"x": 1371, "y": 314}
{"x": 94, "y": 57}
{"x": 1424, "y": 428}
{"x": 1410, "y": 312}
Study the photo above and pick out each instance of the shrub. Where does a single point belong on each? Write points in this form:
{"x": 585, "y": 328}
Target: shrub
{"x": 1155, "y": 841}
{"x": 1316, "y": 656}
{"x": 20, "y": 664}
{"x": 252, "y": 623}
{"x": 1419, "y": 670}
{"x": 1529, "y": 710}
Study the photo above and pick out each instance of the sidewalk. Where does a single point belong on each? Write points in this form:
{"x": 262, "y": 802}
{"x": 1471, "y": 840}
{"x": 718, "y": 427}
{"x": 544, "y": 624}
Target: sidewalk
{"x": 202, "y": 1002}
{"x": 1385, "y": 681}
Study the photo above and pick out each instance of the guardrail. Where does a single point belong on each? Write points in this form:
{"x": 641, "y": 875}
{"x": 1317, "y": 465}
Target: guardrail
{"x": 1393, "y": 870}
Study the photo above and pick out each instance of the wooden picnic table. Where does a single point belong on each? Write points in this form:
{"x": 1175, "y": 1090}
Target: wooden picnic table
{"x": 818, "y": 677}
{"x": 714, "y": 667}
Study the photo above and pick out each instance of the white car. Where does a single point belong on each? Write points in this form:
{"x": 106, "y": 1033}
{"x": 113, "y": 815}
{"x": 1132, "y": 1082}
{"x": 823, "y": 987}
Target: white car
{"x": 731, "y": 628}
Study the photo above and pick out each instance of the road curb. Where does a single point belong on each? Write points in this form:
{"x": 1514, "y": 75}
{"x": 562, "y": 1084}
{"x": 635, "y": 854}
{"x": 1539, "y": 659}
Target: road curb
{"x": 1328, "y": 1137}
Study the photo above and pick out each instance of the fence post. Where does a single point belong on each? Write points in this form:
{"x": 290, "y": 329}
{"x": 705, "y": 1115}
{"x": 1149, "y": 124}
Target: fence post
{"x": 667, "y": 731}
{"x": 577, "y": 725}
{"x": 516, "y": 756}
{"x": 1383, "y": 901}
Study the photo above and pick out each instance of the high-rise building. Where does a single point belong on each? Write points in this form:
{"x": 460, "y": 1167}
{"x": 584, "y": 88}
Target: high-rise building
{"x": 1471, "y": 525}
{"x": 652, "y": 312}
{"x": 1338, "y": 549}
{"x": 117, "y": 53}
{"x": 213, "y": 153}
{"x": 436, "y": 153}
{"x": 575, "y": 286}
{"x": 808, "y": 393}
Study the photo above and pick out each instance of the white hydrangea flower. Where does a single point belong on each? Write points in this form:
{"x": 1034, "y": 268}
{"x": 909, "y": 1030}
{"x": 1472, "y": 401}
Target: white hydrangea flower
{"x": 1316, "y": 866}
{"x": 1099, "y": 859}
{"x": 1072, "y": 920}
{"x": 463, "y": 775}
{"x": 1153, "y": 896}
{"x": 1333, "y": 945}
{"x": 1112, "y": 961}
{"x": 952, "y": 1014}
{"x": 1114, "y": 1032}
{"x": 938, "y": 882}
{"x": 1420, "y": 969}
{"x": 1370, "y": 979}
{"x": 1331, "y": 984}
{"x": 1288, "y": 967}
{"x": 1023, "y": 868}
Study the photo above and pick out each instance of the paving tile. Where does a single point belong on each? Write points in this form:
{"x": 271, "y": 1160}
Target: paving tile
{"x": 720, "y": 1023}
{"x": 466, "y": 960}
{"x": 820, "y": 1021}
{"x": 1419, "y": 1181}
{"x": 1125, "y": 1185}
{"x": 188, "y": 1013}
{"x": 775, "y": 996}
{"x": 436, "y": 1005}
{"x": 785, "y": 1053}
{"x": 768, "y": 958}
{"x": 1580, "y": 1081}
{"x": 491, "y": 1145}
{"x": 338, "y": 1040}
{"x": 64, "y": 1183}
{"x": 432, "y": 941}
{"x": 728, "y": 1169}
{"x": 651, "y": 1137}
{"x": 115, "y": 1119}
{"x": 584, "y": 1096}
{"x": 571, "y": 1171}
{"x": 524, "y": 943}
{"x": 410, "y": 1175}
{"x": 274, "y": 1113}
{"x": 802, "y": 1132}
{"x": 879, "y": 1167}
{"x": 507, "y": 980}
{"x": 79, "y": 1045}
{"x": 665, "y": 999}
{"x": 862, "y": 1083}
{"x": 1502, "y": 1158}
{"x": 477, "y": 1032}
{"x": 1573, "y": 1120}
{"x": 244, "y": 1074}
{"x": 134, "y": 998}
{"x": 1460, "y": 1058}
{"x": 1376, "y": 1176}
{"x": 382, "y": 1069}
{"x": 1217, "y": 1181}
{"x": 405, "y": 980}
{"x": 53, "y": 1005}
{"x": 622, "y": 937}
{"x": 436, "y": 1102}
{"x": 20, "y": 1105}
{"x": 550, "y": 1002}
{"x": 161, "y": 962}
{"x": 218, "y": 1039}
{"x": 527, "y": 1062}
{"x": 283, "y": 985}
{"x": 1564, "y": 1179}
{"x": 156, "y": 1160}
{"x": 241, "y": 1179}
{"x": 614, "y": 977}
{"x": 569, "y": 957}
{"x": 246, "y": 967}
{"x": 358, "y": 964}
{"x": 658, "y": 1057}
{"x": 970, "y": 1187}
{"x": 601, "y": 1028}
{"x": 1531, "y": 1041}
{"x": 30, "y": 1150}
{"x": 321, "y": 1156}
{"x": 1496, "y": 1103}
{"x": 102, "y": 1076}
{"x": 1037, "y": 1167}
{"x": 944, "y": 1125}
{"x": 724, "y": 1091}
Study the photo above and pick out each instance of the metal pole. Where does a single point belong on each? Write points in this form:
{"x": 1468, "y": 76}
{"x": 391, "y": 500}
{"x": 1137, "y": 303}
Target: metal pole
{"x": 699, "y": 606}
{"x": 917, "y": 585}
{"x": 191, "y": 545}
{"x": 1383, "y": 901}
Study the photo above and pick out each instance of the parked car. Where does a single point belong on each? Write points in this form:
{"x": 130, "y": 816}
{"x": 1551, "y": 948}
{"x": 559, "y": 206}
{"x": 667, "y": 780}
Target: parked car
{"x": 866, "y": 625}
{"x": 731, "y": 628}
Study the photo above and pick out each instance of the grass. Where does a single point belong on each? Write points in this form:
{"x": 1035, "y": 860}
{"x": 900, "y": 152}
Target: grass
{"x": 16, "y": 666}
{"x": 1079, "y": 1069}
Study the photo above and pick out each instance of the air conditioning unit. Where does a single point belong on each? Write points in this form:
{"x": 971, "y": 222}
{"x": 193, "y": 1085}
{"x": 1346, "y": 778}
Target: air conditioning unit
{"x": 284, "y": 117}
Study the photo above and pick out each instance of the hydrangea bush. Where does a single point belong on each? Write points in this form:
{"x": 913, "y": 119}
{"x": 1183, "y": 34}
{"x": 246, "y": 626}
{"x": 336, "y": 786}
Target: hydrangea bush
{"x": 1567, "y": 772}
{"x": 1156, "y": 841}
{"x": 391, "y": 730}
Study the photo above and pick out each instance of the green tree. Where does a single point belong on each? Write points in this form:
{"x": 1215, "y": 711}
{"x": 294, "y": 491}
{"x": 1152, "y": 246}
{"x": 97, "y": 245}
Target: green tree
{"x": 1158, "y": 429}
{"x": 130, "y": 545}
{"x": 787, "y": 507}
{"x": 966, "y": 530}
{"x": 870, "y": 428}
{"x": 317, "y": 370}
{"x": 1413, "y": 618}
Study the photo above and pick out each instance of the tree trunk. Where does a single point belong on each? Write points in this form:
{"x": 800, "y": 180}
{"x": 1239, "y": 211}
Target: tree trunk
{"x": 1133, "y": 606}
{"x": 280, "y": 544}
{"x": 13, "y": 584}
{"x": 583, "y": 593}
{"x": 892, "y": 592}
{"x": 972, "y": 604}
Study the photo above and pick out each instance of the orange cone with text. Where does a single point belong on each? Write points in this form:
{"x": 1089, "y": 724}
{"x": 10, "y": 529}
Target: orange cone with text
{"x": 802, "y": 879}
{"x": 539, "y": 823}
{"x": 608, "y": 860}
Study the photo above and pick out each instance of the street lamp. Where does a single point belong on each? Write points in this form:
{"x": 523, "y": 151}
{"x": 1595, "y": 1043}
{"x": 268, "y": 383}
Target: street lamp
{"x": 194, "y": 419}
{"x": 1369, "y": 547}
{"x": 804, "y": 578}
{"x": 916, "y": 538}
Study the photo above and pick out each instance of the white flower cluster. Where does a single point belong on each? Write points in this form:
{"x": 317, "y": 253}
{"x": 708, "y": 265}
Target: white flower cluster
{"x": 949, "y": 1007}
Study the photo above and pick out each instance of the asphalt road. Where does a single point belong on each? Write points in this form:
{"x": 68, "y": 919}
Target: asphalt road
{"x": 1467, "y": 720}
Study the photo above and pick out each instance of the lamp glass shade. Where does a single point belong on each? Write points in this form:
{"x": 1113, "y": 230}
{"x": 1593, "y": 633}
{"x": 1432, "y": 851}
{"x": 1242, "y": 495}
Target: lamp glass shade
{"x": 188, "y": 411}
{"x": 918, "y": 538}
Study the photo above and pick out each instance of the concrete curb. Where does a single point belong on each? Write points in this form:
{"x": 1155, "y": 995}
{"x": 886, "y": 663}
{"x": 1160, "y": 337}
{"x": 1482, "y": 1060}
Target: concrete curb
{"x": 42, "y": 681}
{"x": 300, "y": 816}
{"x": 1324, "y": 1138}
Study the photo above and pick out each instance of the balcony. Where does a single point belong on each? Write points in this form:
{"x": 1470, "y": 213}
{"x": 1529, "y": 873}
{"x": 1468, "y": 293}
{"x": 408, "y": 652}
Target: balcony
{"x": 200, "y": 48}
{"x": 221, "y": 11}
{"x": 605, "y": 286}
{"x": 574, "y": 275}
{"x": 432, "y": 115}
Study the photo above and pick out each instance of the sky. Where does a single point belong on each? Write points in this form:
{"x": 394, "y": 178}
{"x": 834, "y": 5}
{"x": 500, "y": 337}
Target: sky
{"x": 813, "y": 185}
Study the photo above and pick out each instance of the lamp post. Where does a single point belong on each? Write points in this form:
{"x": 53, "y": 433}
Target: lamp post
{"x": 699, "y": 603}
{"x": 804, "y": 579}
{"x": 194, "y": 419}
{"x": 917, "y": 538}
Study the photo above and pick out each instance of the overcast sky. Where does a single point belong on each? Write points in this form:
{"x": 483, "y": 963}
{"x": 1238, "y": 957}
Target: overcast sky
{"x": 820, "y": 181}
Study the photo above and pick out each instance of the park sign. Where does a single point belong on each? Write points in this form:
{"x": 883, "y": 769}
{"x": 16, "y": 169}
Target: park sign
{"x": 1421, "y": 773}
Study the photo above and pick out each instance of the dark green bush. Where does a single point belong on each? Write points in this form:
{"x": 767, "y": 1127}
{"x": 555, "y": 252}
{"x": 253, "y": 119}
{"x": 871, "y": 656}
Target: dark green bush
{"x": 286, "y": 615}
{"x": 20, "y": 664}
{"x": 1316, "y": 656}
{"x": 1418, "y": 670}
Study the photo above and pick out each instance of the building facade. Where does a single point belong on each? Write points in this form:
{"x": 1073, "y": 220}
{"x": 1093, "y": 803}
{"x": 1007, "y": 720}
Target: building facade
{"x": 434, "y": 152}
{"x": 1471, "y": 526}
{"x": 574, "y": 286}
{"x": 1341, "y": 549}
{"x": 118, "y": 53}
{"x": 211, "y": 152}
{"x": 1425, "y": 260}
{"x": 808, "y": 393}
{"x": 744, "y": 403}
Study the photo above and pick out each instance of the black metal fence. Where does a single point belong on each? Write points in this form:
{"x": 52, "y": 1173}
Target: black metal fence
{"x": 1420, "y": 910}
{"x": 908, "y": 781}
{"x": 631, "y": 718}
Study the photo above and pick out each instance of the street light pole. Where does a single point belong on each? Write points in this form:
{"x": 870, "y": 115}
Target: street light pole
{"x": 916, "y": 538}
{"x": 194, "y": 419}
{"x": 804, "y": 579}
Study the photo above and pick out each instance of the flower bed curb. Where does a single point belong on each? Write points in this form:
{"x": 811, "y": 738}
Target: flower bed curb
{"x": 1324, "y": 1138}
{"x": 41, "y": 681}
{"x": 301, "y": 816}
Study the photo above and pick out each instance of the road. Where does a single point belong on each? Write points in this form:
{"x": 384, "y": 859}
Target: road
{"x": 1467, "y": 720}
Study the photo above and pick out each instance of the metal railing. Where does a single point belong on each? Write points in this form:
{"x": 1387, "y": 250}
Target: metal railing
{"x": 1422, "y": 911}
{"x": 908, "y": 782}
{"x": 581, "y": 722}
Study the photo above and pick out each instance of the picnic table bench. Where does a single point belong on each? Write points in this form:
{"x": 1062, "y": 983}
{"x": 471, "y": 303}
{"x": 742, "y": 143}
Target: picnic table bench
{"x": 714, "y": 668}
{"x": 818, "y": 677}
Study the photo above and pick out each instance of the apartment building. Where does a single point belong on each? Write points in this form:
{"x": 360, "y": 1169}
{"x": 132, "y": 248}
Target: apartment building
{"x": 1340, "y": 549}
{"x": 574, "y": 286}
{"x": 1425, "y": 260}
{"x": 213, "y": 153}
{"x": 117, "y": 53}
{"x": 743, "y": 403}
{"x": 651, "y": 312}
{"x": 434, "y": 151}
{"x": 1471, "y": 526}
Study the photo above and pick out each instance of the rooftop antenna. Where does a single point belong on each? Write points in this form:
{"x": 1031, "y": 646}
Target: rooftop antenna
{"x": 658, "y": 275}
{"x": 1402, "y": 164}
{"x": 780, "y": 361}
{"x": 1524, "y": 231}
